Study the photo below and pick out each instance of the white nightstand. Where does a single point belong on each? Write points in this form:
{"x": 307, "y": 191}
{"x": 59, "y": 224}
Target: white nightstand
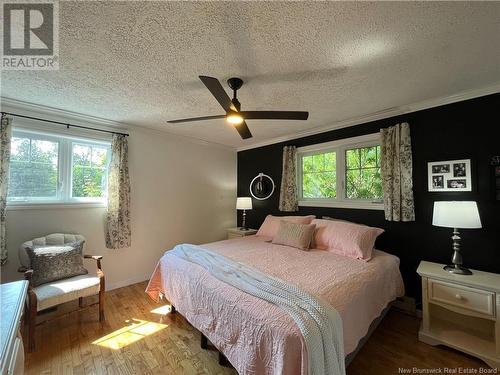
{"x": 460, "y": 311}
{"x": 238, "y": 232}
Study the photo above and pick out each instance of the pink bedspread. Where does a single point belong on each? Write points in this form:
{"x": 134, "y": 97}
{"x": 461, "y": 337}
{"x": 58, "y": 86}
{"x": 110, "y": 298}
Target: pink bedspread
{"x": 257, "y": 337}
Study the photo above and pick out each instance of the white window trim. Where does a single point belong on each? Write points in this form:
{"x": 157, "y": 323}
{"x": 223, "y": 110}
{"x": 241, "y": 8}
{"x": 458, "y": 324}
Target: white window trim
{"x": 65, "y": 156}
{"x": 339, "y": 147}
{"x": 14, "y": 206}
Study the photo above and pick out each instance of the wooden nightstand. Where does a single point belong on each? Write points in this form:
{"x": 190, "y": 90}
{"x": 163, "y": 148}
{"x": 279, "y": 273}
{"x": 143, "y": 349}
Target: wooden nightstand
{"x": 460, "y": 311}
{"x": 238, "y": 232}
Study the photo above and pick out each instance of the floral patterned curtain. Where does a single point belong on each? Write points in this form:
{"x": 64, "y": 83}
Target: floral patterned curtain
{"x": 288, "y": 192}
{"x": 397, "y": 169}
{"x": 118, "y": 233}
{"x": 5, "y": 136}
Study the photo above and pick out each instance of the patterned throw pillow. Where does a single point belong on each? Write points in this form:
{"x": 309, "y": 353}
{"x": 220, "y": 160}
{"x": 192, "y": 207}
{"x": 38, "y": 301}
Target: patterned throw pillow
{"x": 51, "y": 263}
{"x": 295, "y": 235}
{"x": 271, "y": 224}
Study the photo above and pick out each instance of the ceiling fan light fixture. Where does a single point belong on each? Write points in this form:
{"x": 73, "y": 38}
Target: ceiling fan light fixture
{"x": 234, "y": 118}
{"x": 232, "y": 108}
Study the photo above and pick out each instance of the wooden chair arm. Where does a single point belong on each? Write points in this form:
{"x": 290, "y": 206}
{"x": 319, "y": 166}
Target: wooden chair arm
{"x": 28, "y": 275}
{"x": 102, "y": 282}
{"x": 97, "y": 258}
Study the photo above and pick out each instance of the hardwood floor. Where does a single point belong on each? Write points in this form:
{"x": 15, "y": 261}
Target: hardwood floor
{"x": 150, "y": 343}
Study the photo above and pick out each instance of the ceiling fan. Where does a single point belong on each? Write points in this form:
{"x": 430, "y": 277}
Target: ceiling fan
{"x": 234, "y": 115}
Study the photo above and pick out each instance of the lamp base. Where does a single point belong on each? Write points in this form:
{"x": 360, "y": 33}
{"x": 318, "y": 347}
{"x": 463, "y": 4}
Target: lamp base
{"x": 244, "y": 221}
{"x": 459, "y": 270}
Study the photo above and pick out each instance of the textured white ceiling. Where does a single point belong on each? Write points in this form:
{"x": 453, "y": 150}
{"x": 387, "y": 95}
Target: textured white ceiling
{"x": 138, "y": 62}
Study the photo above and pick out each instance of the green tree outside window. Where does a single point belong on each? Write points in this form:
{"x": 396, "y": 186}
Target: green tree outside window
{"x": 89, "y": 171}
{"x": 33, "y": 168}
{"x": 319, "y": 178}
{"x": 363, "y": 179}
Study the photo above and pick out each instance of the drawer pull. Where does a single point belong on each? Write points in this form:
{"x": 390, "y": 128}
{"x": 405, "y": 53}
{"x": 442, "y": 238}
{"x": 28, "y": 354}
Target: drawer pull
{"x": 458, "y": 296}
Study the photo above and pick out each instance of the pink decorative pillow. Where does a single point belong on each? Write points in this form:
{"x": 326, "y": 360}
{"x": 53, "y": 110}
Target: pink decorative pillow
{"x": 344, "y": 238}
{"x": 270, "y": 226}
{"x": 335, "y": 219}
{"x": 294, "y": 235}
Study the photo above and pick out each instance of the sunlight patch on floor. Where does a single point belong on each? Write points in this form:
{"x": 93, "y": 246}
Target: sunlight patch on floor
{"x": 162, "y": 310}
{"x": 136, "y": 330}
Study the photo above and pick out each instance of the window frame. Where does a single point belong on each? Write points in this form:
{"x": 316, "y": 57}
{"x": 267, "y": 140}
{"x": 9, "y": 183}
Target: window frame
{"x": 65, "y": 170}
{"x": 300, "y": 174}
{"x": 70, "y": 169}
{"x": 339, "y": 147}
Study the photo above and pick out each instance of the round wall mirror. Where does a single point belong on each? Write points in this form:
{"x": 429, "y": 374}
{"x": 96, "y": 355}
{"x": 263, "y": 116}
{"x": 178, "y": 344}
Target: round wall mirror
{"x": 262, "y": 187}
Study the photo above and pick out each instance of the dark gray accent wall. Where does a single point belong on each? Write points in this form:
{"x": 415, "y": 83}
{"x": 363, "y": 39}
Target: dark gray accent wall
{"x": 468, "y": 129}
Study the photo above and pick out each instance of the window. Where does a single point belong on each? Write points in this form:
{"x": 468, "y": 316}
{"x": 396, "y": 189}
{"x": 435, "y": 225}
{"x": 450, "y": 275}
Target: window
{"x": 319, "y": 178}
{"x": 363, "y": 173}
{"x": 344, "y": 173}
{"x": 34, "y": 168}
{"x": 49, "y": 168}
{"x": 89, "y": 170}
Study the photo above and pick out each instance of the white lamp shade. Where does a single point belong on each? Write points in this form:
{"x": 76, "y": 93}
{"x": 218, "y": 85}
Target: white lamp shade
{"x": 456, "y": 214}
{"x": 244, "y": 203}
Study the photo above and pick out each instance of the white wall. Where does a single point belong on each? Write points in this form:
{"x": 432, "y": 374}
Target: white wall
{"x": 182, "y": 191}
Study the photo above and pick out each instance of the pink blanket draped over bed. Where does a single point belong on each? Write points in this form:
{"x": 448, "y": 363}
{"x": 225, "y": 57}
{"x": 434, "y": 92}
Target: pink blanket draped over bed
{"x": 258, "y": 337}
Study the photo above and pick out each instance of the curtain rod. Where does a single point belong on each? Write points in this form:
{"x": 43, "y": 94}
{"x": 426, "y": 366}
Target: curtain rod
{"x": 68, "y": 125}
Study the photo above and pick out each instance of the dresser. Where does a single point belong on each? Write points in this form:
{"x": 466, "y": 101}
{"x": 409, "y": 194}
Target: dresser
{"x": 238, "y": 232}
{"x": 461, "y": 311}
{"x": 12, "y": 351}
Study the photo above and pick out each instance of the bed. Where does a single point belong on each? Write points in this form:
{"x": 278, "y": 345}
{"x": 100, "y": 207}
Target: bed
{"x": 258, "y": 337}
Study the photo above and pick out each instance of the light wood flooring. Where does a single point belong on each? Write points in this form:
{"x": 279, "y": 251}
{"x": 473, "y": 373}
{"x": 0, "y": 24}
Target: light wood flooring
{"x": 168, "y": 344}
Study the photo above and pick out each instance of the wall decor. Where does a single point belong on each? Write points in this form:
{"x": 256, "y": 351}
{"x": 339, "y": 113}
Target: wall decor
{"x": 262, "y": 187}
{"x": 451, "y": 175}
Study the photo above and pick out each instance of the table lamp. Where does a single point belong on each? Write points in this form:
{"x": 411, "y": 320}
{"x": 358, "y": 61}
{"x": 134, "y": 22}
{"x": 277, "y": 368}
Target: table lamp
{"x": 456, "y": 215}
{"x": 244, "y": 203}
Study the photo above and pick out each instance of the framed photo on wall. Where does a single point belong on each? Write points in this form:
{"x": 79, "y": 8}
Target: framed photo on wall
{"x": 451, "y": 175}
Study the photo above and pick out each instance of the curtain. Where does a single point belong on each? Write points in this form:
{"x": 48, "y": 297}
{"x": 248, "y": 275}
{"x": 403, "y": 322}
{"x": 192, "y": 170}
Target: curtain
{"x": 288, "y": 192}
{"x": 5, "y": 136}
{"x": 396, "y": 168}
{"x": 118, "y": 233}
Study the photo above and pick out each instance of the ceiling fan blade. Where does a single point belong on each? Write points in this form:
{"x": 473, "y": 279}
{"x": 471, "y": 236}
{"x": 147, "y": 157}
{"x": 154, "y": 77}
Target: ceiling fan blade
{"x": 243, "y": 130}
{"x": 196, "y": 119}
{"x": 214, "y": 86}
{"x": 275, "y": 115}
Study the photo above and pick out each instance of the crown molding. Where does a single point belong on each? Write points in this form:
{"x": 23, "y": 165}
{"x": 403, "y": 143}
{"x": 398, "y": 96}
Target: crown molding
{"x": 380, "y": 115}
{"x": 51, "y": 113}
{"x": 56, "y": 114}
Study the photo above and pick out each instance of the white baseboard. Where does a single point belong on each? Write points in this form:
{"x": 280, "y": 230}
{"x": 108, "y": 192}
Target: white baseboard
{"x": 127, "y": 282}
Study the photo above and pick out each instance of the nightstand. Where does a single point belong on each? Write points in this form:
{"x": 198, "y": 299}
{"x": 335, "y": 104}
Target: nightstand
{"x": 238, "y": 232}
{"x": 461, "y": 311}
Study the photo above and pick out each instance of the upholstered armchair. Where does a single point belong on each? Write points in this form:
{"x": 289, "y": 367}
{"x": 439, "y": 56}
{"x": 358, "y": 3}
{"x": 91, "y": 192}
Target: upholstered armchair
{"x": 54, "y": 293}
